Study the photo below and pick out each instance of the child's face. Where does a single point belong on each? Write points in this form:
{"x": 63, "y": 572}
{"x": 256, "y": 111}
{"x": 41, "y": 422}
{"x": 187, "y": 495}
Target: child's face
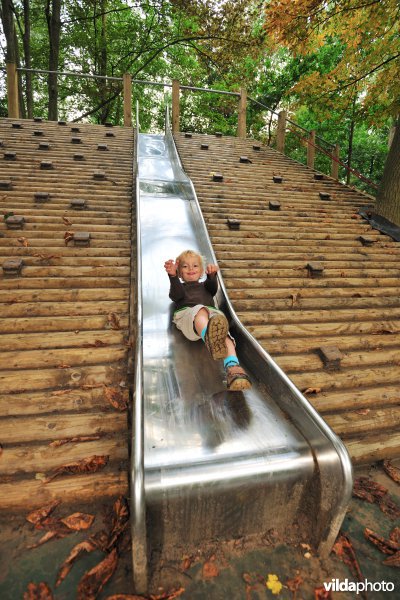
{"x": 190, "y": 268}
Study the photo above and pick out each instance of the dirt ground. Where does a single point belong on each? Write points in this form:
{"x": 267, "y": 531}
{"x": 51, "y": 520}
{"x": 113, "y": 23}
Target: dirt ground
{"x": 220, "y": 571}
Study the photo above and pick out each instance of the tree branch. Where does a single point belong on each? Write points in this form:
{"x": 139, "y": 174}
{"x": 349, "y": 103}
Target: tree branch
{"x": 360, "y": 78}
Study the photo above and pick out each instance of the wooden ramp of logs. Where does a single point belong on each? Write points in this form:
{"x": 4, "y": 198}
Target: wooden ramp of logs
{"x": 310, "y": 279}
{"x": 65, "y": 252}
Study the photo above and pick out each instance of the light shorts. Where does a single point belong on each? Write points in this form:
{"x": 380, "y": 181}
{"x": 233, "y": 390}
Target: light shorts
{"x": 184, "y": 320}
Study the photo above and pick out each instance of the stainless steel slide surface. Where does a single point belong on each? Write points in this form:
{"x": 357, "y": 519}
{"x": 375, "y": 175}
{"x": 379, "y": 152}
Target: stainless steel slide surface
{"x": 218, "y": 464}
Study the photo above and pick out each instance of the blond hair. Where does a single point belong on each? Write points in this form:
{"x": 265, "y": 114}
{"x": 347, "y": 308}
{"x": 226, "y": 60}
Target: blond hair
{"x": 192, "y": 253}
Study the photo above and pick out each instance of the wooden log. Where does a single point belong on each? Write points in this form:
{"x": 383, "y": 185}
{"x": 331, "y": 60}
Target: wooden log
{"x": 322, "y": 316}
{"x": 323, "y": 329}
{"x": 15, "y": 430}
{"x": 351, "y": 423}
{"x": 356, "y": 399}
{"x": 70, "y": 309}
{"x": 64, "y": 295}
{"x": 62, "y": 283}
{"x": 59, "y": 339}
{"x": 61, "y": 356}
{"x": 370, "y": 449}
{"x": 362, "y": 343}
{"x": 31, "y": 493}
{"x": 34, "y": 380}
{"x": 43, "y": 457}
{"x": 354, "y": 378}
{"x": 44, "y": 324}
{"x": 58, "y": 401}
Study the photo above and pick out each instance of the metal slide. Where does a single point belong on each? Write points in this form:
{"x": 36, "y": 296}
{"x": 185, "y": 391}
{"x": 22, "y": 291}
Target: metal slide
{"x": 209, "y": 464}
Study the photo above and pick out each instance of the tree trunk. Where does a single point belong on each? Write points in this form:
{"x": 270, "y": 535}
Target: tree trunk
{"x": 28, "y": 62}
{"x": 54, "y": 28}
{"x": 7, "y": 18}
{"x": 388, "y": 197}
{"x": 350, "y": 152}
{"x": 102, "y": 64}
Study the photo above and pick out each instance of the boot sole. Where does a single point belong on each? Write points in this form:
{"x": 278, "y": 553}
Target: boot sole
{"x": 216, "y": 336}
{"x": 239, "y": 384}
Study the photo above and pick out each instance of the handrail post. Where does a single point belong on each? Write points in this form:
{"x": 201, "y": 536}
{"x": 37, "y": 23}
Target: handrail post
{"x": 281, "y": 132}
{"x": 335, "y": 163}
{"x": 242, "y": 113}
{"x": 311, "y": 149}
{"x": 175, "y": 106}
{"x": 127, "y": 84}
{"x": 12, "y": 91}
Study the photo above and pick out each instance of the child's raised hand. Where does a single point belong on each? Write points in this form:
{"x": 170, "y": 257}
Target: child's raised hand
{"x": 171, "y": 267}
{"x": 212, "y": 269}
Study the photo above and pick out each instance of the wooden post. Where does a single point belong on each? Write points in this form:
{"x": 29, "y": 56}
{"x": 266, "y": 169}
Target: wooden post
{"x": 335, "y": 164}
{"x": 127, "y": 79}
{"x": 175, "y": 106}
{"x": 281, "y": 132}
{"x": 311, "y": 149}
{"x": 242, "y": 113}
{"x": 12, "y": 91}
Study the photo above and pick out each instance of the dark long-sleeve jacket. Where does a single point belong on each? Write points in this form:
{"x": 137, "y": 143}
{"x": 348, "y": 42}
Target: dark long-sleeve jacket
{"x": 193, "y": 292}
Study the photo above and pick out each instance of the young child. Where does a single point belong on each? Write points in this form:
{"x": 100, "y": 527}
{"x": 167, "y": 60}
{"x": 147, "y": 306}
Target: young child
{"x": 198, "y": 318}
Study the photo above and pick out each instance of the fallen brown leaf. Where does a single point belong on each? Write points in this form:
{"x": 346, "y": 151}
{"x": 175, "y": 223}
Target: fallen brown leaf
{"x": 186, "y": 563}
{"x": 294, "y": 298}
{"x": 321, "y": 593}
{"x": 210, "y": 570}
{"x": 126, "y": 597}
{"x": 113, "y": 321}
{"x": 78, "y": 438}
{"x": 312, "y": 390}
{"x": 38, "y": 591}
{"x": 23, "y": 241}
{"x": 294, "y": 584}
{"x": 362, "y": 411}
{"x": 49, "y": 535}
{"x": 115, "y": 397}
{"x": 37, "y": 516}
{"x": 167, "y": 595}
{"x": 344, "y": 550}
{"x": 43, "y": 257}
{"x": 68, "y": 236}
{"x": 91, "y": 386}
{"x": 393, "y": 561}
{"x": 63, "y": 366}
{"x": 368, "y": 490}
{"x": 395, "y": 535}
{"x": 90, "y": 464}
{"x": 373, "y": 492}
{"x": 78, "y": 521}
{"x": 67, "y": 221}
{"x": 95, "y": 344}
{"x": 119, "y": 522}
{"x": 389, "y": 507}
{"x": 77, "y": 550}
{"x": 386, "y": 546}
{"x": 393, "y": 472}
{"x": 94, "y": 580}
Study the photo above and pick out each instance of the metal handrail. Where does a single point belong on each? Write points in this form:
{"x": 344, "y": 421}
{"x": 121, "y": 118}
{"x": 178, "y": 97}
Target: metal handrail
{"x": 138, "y": 503}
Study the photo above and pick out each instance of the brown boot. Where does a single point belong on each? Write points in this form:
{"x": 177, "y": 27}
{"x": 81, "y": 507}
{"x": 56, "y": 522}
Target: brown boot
{"x": 237, "y": 379}
{"x": 217, "y": 330}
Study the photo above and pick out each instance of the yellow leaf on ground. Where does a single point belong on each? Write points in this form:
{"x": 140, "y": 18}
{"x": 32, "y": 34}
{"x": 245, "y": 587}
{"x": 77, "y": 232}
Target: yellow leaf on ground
{"x": 273, "y": 584}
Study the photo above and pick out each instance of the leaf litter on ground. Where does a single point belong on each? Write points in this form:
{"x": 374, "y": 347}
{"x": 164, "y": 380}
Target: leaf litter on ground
{"x": 375, "y": 493}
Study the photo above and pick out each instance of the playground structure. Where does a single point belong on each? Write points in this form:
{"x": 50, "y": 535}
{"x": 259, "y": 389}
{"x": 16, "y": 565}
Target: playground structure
{"x": 194, "y": 444}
